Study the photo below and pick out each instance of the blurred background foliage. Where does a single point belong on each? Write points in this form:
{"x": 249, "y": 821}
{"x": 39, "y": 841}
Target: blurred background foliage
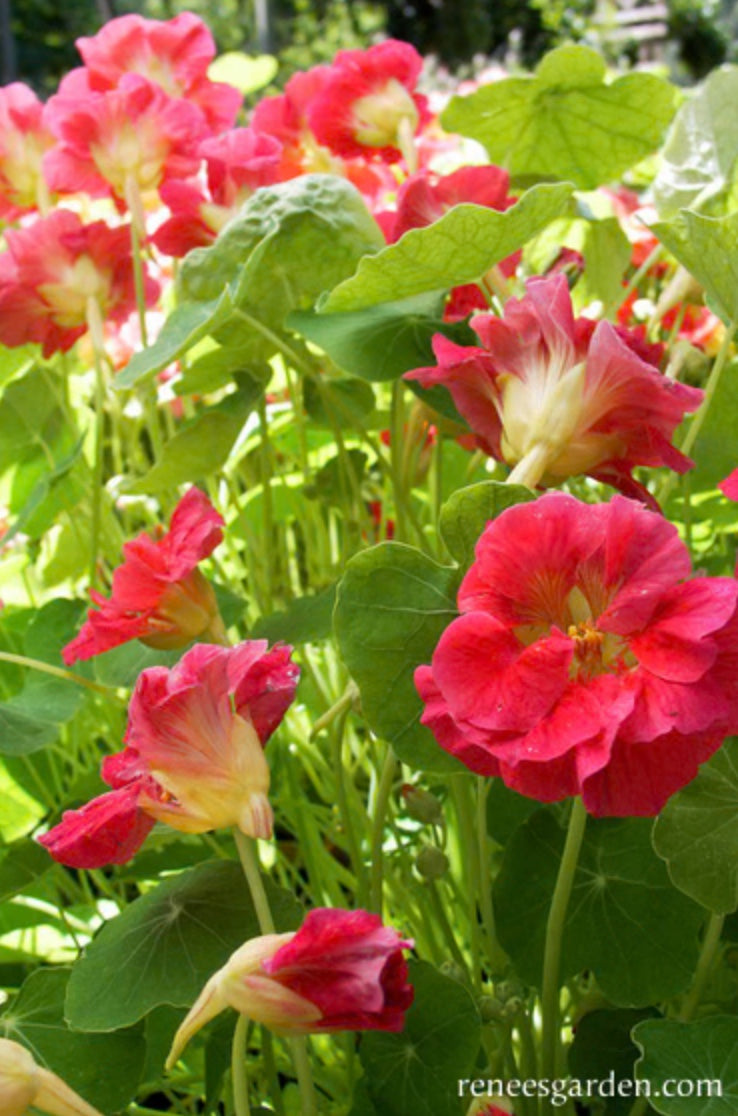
{"x": 37, "y": 36}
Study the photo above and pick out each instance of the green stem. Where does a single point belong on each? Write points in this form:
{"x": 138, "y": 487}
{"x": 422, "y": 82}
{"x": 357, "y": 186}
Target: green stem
{"x": 247, "y": 854}
{"x": 270, "y": 1067}
{"x": 95, "y": 326}
{"x": 642, "y": 271}
{"x": 238, "y": 1068}
{"x": 381, "y": 802}
{"x": 266, "y": 501}
{"x": 554, "y": 939}
{"x": 397, "y": 437}
{"x": 710, "y": 944}
{"x": 344, "y": 810}
{"x": 699, "y": 419}
{"x": 496, "y": 954}
{"x": 56, "y": 672}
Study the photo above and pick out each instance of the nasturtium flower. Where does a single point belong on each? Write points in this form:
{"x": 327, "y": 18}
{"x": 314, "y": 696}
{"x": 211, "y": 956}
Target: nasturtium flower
{"x": 237, "y": 163}
{"x": 368, "y": 104}
{"x": 125, "y": 141}
{"x": 158, "y": 595}
{"x": 24, "y": 1084}
{"x": 587, "y": 660}
{"x": 194, "y": 754}
{"x": 341, "y": 971}
{"x": 174, "y": 54}
{"x": 556, "y": 396}
{"x": 23, "y": 142}
{"x": 424, "y": 197}
{"x": 51, "y": 272}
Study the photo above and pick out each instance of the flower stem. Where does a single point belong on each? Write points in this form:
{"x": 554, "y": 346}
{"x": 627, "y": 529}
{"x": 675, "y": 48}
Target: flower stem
{"x": 495, "y": 952}
{"x": 238, "y": 1068}
{"x": 713, "y": 933}
{"x": 381, "y": 802}
{"x": 247, "y": 854}
{"x": 554, "y": 939}
{"x": 56, "y": 672}
{"x": 95, "y": 326}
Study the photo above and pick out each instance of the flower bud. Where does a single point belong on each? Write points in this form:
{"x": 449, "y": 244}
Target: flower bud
{"x": 23, "y": 1084}
{"x": 421, "y": 805}
{"x": 432, "y": 863}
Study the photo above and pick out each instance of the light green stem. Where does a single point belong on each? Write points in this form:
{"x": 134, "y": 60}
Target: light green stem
{"x": 239, "y": 1077}
{"x": 381, "y": 802}
{"x": 95, "y": 326}
{"x": 713, "y": 933}
{"x": 56, "y": 672}
{"x": 555, "y": 937}
{"x": 249, "y": 861}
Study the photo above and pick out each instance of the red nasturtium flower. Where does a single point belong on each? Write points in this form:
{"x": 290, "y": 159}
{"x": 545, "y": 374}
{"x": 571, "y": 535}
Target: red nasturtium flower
{"x": 587, "y": 659}
{"x": 194, "y": 755}
{"x": 128, "y": 139}
{"x": 174, "y": 54}
{"x": 23, "y": 1083}
{"x": 368, "y": 104}
{"x": 341, "y": 971}
{"x": 556, "y": 396}
{"x": 23, "y": 142}
{"x": 51, "y": 272}
{"x": 159, "y": 596}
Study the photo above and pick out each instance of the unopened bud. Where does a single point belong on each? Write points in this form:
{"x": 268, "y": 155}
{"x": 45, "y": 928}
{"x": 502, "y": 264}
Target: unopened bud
{"x": 491, "y": 1009}
{"x": 23, "y": 1084}
{"x": 422, "y": 805}
{"x": 431, "y": 863}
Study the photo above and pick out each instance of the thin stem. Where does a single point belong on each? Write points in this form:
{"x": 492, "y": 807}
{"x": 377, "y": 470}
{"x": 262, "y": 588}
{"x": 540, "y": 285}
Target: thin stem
{"x": 699, "y": 419}
{"x": 95, "y": 326}
{"x": 57, "y": 672}
{"x": 238, "y": 1068}
{"x": 554, "y": 939}
{"x": 381, "y": 802}
{"x": 642, "y": 271}
{"x": 496, "y": 955}
{"x": 713, "y": 933}
{"x": 247, "y": 854}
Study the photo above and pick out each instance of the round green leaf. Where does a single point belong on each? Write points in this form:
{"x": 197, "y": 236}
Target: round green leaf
{"x": 626, "y": 921}
{"x": 603, "y": 1049}
{"x": 697, "y": 833}
{"x": 164, "y": 947}
{"x": 703, "y": 1054}
{"x": 418, "y": 1070}
{"x": 104, "y": 1069}
{"x": 465, "y": 515}
{"x": 393, "y": 604}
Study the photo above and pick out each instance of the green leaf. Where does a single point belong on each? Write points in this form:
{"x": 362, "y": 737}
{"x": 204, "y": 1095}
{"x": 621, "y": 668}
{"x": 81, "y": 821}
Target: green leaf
{"x": 697, "y": 833}
{"x": 565, "y": 121}
{"x": 393, "y": 605}
{"x": 626, "y": 921}
{"x": 247, "y": 72}
{"x": 418, "y": 1070}
{"x": 104, "y": 1069}
{"x": 603, "y": 1049}
{"x": 459, "y": 248}
{"x": 697, "y": 161}
{"x": 218, "y": 368}
{"x": 337, "y": 403}
{"x": 381, "y": 342}
{"x": 203, "y": 446}
{"x": 305, "y": 620}
{"x": 704, "y": 1053}
{"x": 708, "y": 248}
{"x": 22, "y": 864}
{"x": 465, "y": 515}
{"x": 506, "y": 810}
{"x": 188, "y": 323}
{"x": 332, "y": 482}
{"x": 164, "y": 946}
{"x": 714, "y": 451}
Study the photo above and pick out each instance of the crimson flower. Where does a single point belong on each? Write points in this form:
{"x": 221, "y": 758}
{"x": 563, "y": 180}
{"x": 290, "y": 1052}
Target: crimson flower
{"x": 194, "y": 755}
{"x": 557, "y": 396}
{"x": 424, "y": 197}
{"x": 159, "y": 596}
{"x": 237, "y": 163}
{"x": 174, "y": 54}
{"x": 52, "y": 271}
{"x": 341, "y": 971}
{"x": 586, "y": 660}
{"x": 126, "y": 139}
{"x": 368, "y": 104}
{"x": 23, "y": 142}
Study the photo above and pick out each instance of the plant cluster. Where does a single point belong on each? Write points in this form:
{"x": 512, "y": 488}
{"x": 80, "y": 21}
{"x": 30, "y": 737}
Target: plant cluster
{"x": 369, "y": 636}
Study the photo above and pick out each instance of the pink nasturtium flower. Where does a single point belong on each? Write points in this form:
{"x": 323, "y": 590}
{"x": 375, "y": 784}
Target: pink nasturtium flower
{"x": 158, "y": 596}
{"x": 587, "y": 659}
{"x": 341, "y": 971}
{"x": 125, "y": 141}
{"x": 237, "y": 163}
{"x": 23, "y": 142}
{"x": 23, "y": 1084}
{"x": 368, "y": 104}
{"x": 174, "y": 54}
{"x": 55, "y": 270}
{"x": 556, "y": 396}
{"x": 194, "y": 755}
